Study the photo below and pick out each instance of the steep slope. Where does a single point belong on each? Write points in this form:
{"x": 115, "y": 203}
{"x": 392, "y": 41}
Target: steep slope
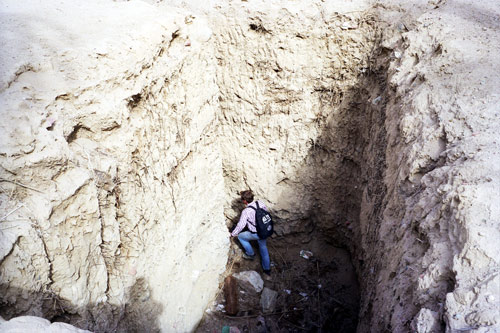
{"x": 109, "y": 160}
{"x": 125, "y": 139}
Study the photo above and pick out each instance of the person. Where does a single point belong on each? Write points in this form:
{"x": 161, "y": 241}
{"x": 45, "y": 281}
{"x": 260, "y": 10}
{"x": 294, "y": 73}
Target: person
{"x": 247, "y": 219}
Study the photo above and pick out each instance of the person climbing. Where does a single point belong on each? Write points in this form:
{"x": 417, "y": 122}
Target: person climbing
{"x": 247, "y": 219}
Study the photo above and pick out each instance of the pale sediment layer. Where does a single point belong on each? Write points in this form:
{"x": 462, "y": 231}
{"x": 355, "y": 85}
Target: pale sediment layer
{"x": 125, "y": 138}
{"x": 111, "y": 122}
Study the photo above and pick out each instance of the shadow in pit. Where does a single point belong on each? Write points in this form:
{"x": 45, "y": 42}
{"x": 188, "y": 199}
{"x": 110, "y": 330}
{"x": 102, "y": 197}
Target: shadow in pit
{"x": 138, "y": 314}
{"x": 237, "y": 206}
{"x": 321, "y": 293}
{"x": 342, "y": 177}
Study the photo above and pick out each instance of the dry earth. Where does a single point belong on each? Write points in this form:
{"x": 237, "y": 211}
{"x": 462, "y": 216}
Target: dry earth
{"x": 128, "y": 128}
{"x": 317, "y": 291}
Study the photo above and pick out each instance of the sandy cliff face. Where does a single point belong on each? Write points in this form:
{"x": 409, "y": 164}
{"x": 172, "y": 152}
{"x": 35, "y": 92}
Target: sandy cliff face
{"x": 440, "y": 220}
{"x": 290, "y": 81}
{"x": 125, "y": 138}
{"x": 110, "y": 160}
{"x": 368, "y": 131}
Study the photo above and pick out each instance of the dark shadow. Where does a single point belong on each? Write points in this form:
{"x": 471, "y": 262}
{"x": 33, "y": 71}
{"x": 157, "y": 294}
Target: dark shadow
{"x": 340, "y": 182}
{"x": 344, "y": 168}
{"x": 139, "y": 313}
{"x": 237, "y": 206}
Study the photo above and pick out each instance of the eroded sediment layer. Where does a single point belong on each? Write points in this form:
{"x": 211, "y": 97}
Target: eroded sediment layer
{"x": 124, "y": 142}
{"x": 292, "y": 103}
{"x": 112, "y": 129}
{"x": 430, "y": 257}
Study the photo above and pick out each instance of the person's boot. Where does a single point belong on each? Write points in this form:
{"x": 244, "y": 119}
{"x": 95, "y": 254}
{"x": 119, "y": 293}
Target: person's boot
{"x": 246, "y": 256}
{"x": 267, "y": 275}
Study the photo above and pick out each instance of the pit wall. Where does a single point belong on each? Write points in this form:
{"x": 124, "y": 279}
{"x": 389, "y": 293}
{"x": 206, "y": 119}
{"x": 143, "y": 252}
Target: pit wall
{"x": 289, "y": 83}
{"x": 433, "y": 265}
{"x": 110, "y": 167}
{"x": 303, "y": 102}
{"x": 124, "y": 143}
{"x": 371, "y": 139}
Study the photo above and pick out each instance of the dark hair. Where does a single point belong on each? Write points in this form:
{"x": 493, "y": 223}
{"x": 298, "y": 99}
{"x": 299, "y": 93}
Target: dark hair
{"x": 247, "y": 196}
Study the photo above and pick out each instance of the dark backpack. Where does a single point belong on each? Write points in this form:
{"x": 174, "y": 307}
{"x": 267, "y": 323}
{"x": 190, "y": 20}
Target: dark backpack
{"x": 263, "y": 222}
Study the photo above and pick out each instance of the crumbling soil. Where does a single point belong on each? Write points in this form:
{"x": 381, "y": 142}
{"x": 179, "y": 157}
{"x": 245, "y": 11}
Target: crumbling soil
{"x": 318, "y": 294}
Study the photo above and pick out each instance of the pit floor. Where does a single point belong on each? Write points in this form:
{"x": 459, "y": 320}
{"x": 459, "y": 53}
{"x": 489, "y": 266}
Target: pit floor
{"x": 319, "y": 294}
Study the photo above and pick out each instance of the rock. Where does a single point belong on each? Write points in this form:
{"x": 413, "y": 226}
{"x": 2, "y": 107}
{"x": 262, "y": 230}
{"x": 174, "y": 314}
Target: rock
{"x": 250, "y": 286}
{"x": 251, "y": 277}
{"x": 268, "y": 300}
{"x": 485, "y": 317}
{"x": 402, "y": 27}
{"x": 426, "y": 321}
{"x": 36, "y": 324}
{"x": 261, "y": 325}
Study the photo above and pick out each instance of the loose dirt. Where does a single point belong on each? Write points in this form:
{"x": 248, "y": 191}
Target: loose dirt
{"x": 315, "y": 294}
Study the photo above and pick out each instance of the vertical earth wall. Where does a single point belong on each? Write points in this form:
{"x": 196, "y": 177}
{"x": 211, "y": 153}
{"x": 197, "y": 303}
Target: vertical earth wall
{"x": 109, "y": 166}
{"x": 125, "y": 138}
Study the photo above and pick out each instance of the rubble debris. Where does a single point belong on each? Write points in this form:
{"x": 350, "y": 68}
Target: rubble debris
{"x": 268, "y": 300}
{"x": 327, "y": 300}
{"x": 306, "y": 254}
{"x": 230, "y": 329}
{"x": 261, "y": 325}
{"x": 251, "y": 277}
{"x": 374, "y": 102}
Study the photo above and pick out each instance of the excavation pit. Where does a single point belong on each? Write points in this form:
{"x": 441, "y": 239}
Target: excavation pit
{"x": 315, "y": 282}
{"x": 367, "y": 127}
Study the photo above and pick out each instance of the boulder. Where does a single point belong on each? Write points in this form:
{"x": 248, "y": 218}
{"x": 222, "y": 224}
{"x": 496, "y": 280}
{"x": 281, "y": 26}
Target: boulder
{"x": 268, "y": 300}
{"x": 251, "y": 277}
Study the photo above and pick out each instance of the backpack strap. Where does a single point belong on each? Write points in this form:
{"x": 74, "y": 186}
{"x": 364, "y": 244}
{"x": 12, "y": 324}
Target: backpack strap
{"x": 255, "y": 209}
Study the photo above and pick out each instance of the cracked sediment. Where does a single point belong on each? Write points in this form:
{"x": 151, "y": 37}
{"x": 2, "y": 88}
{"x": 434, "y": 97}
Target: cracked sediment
{"x": 130, "y": 146}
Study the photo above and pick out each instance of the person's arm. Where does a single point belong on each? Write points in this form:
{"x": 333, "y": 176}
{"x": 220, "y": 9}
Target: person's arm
{"x": 241, "y": 223}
